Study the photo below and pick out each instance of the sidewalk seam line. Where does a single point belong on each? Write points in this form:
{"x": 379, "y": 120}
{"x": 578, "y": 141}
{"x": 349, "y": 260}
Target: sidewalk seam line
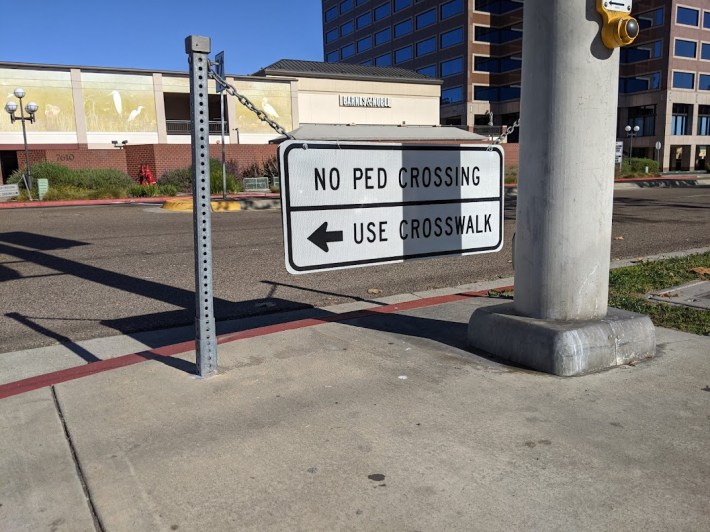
{"x": 80, "y": 472}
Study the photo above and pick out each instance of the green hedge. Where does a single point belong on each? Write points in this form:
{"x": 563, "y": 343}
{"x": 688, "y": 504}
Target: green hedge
{"x": 181, "y": 179}
{"x": 637, "y": 165}
{"x": 60, "y": 176}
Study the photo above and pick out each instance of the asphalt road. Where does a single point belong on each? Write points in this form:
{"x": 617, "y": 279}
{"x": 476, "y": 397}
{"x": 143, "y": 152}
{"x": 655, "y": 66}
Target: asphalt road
{"x": 73, "y": 273}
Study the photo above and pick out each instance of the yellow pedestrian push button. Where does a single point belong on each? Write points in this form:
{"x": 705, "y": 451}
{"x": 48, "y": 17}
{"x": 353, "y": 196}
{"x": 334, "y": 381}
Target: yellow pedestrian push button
{"x": 619, "y": 28}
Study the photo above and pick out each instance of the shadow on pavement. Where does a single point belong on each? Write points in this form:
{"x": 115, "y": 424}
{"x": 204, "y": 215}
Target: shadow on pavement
{"x": 251, "y": 314}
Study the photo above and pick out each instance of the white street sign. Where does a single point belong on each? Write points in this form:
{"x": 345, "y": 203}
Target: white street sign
{"x": 619, "y": 151}
{"x": 357, "y": 204}
{"x": 9, "y": 191}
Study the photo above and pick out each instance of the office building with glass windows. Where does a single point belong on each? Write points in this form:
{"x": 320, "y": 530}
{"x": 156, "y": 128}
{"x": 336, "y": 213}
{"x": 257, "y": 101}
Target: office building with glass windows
{"x": 475, "y": 48}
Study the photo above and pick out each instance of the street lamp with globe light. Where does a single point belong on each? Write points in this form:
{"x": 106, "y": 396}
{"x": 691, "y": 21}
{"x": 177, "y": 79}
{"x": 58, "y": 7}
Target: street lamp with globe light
{"x": 31, "y": 109}
{"x": 631, "y": 136}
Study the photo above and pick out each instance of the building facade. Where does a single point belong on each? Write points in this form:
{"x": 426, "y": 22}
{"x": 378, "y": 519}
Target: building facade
{"x": 475, "y": 47}
{"x": 85, "y": 113}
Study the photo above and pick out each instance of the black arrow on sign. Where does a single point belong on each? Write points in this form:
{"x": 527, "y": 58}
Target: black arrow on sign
{"x": 322, "y": 236}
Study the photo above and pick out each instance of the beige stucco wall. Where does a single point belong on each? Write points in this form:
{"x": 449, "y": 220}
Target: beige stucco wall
{"x": 319, "y": 102}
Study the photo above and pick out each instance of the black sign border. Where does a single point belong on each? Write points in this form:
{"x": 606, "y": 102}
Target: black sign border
{"x": 286, "y": 203}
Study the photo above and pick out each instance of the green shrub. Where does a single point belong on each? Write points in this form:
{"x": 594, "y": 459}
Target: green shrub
{"x": 180, "y": 178}
{"x": 108, "y": 191}
{"x": 151, "y": 191}
{"x": 511, "y": 174}
{"x": 636, "y": 166}
{"x": 216, "y": 183}
{"x": 98, "y": 178}
{"x": 270, "y": 168}
{"x": 56, "y": 174}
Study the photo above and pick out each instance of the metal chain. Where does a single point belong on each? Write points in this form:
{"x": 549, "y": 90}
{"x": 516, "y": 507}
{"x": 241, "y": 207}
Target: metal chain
{"x": 248, "y": 104}
{"x": 507, "y": 132}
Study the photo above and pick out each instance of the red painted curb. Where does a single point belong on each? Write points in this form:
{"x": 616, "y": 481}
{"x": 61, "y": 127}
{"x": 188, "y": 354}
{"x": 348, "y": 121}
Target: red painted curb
{"x": 56, "y": 377}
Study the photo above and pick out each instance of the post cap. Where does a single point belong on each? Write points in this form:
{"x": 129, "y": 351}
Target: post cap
{"x": 195, "y": 43}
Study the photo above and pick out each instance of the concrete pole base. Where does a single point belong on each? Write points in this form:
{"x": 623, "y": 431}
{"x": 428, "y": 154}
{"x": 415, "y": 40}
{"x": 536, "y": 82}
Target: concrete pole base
{"x": 564, "y": 348}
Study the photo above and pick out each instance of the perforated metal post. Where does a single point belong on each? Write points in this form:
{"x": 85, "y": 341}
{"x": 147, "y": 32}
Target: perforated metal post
{"x": 198, "y": 49}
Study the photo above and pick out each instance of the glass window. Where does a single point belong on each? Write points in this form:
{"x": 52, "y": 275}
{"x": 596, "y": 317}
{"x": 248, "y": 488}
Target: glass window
{"x": 331, "y": 35}
{"x": 451, "y": 38}
{"x": 367, "y": 62}
{"x": 360, "y": 2}
{"x": 403, "y": 54}
{"x": 650, "y": 19}
{"x": 497, "y": 64}
{"x": 687, "y": 16}
{"x": 382, "y": 11}
{"x": 498, "y": 6}
{"x": 401, "y": 4}
{"x": 679, "y": 119}
{"x": 347, "y": 51}
{"x": 452, "y": 95}
{"x": 426, "y": 19}
{"x": 500, "y": 35}
{"x": 384, "y": 60}
{"x": 347, "y": 28}
{"x": 704, "y": 120}
{"x": 428, "y": 71}
{"x": 364, "y": 44}
{"x": 449, "y": 9}
{"x": 705, "y": 51}
{"x": 427, "y": 46}
{"x": 706, "y": 20}
{"x": 509, "y": 93}
{"x": 685, "y": 48}
{"x": 332, "y": 57}
{"x": 640, "y": 83}
{"x": 331, "y": 14}
{"x": 364, "y": 20}
{"x": 496, "y": 94}
{"x": 485, "y": 93}
{"x": 683, "y": 80}
{"x": 641, "y": 52}
{"x": 645, "y": 118}
{"x": 704, "y": 82}
{"x": 345, "y": 6}
{"x": 383, "y": 36}
{"x": 451, "y": 67}
{"x": 403, "y": 28}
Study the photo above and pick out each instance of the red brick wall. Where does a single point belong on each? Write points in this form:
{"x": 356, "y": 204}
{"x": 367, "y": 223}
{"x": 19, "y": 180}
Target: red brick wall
{"x": 76, "y": 157}
{"x": 139, "y": 154}
{"x": 160, "y": 157}
{"x": 512, "y": 154}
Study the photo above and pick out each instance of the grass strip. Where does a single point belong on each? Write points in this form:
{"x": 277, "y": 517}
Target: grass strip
{"x": 628, "y": 288}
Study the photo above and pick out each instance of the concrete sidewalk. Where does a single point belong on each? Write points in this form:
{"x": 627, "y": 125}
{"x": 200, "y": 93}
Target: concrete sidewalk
{"x": 376, "y": 420}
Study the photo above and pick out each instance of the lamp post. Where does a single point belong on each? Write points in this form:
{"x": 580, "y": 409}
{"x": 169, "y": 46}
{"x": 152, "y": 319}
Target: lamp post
{"x": 31, "y": 109}
{"x": 631, "y": 136}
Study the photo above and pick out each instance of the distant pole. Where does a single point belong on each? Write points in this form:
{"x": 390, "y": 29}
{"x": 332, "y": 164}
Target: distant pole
{"x": 198, "y": 49}
{"x": 224, "y": 161}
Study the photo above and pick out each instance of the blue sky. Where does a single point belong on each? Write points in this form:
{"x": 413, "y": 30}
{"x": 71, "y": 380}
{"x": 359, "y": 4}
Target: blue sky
{"x": 150, "y": 34}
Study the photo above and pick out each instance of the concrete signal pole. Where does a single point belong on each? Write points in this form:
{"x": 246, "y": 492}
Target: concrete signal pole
{"x": 559, "y": 322}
